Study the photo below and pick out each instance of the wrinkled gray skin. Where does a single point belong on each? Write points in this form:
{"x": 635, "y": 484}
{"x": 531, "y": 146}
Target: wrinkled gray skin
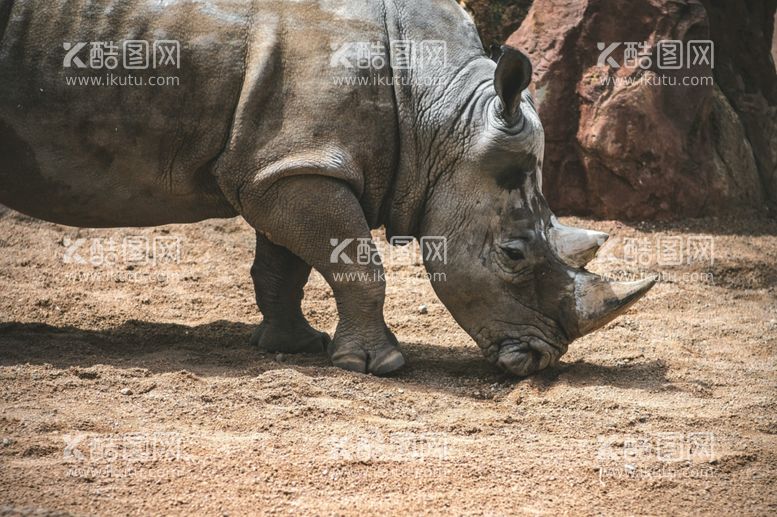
{"x": 259, "y": 128}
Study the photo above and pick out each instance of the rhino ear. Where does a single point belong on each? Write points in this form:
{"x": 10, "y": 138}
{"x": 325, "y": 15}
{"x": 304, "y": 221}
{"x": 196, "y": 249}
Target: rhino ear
{"x": 513, "y": 75}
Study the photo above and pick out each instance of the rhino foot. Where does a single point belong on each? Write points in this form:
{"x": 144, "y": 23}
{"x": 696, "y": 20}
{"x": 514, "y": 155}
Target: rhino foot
{"x": 294, "y": 340}
{"x": 382, "y": 359}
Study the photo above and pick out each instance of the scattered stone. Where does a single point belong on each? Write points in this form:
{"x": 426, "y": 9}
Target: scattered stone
{"x": 423, "y": 309}
{"x": 148, "y": 387}
{"x": 126, "y": 391}
{"x": 85, "y": 374}
{"x": 280, "y": 358}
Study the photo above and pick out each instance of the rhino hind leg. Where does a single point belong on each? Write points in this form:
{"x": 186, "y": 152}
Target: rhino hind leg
{"x": 279, "y": 280}
{"x": 319, "y": 220}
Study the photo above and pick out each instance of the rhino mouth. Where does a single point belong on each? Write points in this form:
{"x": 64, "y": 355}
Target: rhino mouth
{"x": 519, "y": 353}
{"x": 526, "y": 355}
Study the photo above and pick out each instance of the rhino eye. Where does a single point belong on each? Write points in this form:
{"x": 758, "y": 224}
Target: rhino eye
{"x": 514, "y": 249}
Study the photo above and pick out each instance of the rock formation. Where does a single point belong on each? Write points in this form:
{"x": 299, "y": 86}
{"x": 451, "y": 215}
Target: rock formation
{"x": 633, "y": 140}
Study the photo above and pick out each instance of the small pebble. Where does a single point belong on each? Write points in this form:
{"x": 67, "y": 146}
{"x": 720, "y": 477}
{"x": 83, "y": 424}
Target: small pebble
{"x": 280, "y": 358}
{"x": 126, "y": 391}
{"x": 7, "y": 442}
{"x": 423, "y": 309}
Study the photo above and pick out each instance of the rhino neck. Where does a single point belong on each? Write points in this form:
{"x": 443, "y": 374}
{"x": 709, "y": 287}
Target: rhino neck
{"x": 439, "y": 107}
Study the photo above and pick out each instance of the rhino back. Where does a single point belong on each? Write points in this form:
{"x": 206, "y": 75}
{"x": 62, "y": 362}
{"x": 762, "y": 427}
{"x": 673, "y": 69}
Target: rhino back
{"x": 90, "y": 155}
{"x": 256, "y": 95}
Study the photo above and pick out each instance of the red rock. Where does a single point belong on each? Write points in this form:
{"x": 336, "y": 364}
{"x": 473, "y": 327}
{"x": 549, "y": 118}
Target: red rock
{"x": 638, "y": 150}
{"x": 497, "y": 19}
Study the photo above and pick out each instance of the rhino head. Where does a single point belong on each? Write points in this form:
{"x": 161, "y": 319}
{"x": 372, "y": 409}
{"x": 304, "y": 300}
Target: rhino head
{"x": 514, "y": 277}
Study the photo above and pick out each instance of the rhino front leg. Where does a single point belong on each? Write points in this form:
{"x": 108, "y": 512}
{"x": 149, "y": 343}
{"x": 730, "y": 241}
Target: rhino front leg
{"x": 279, "y": 281}
{"x": 320, "y": 221}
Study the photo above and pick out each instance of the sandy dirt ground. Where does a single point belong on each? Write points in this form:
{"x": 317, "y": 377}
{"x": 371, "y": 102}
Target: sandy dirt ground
{"x": 128, "y": 386}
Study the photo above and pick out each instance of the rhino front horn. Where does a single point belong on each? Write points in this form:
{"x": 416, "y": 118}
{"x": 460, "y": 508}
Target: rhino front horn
{"x": 575, "y": 246}
{"x": 597, "y": 301}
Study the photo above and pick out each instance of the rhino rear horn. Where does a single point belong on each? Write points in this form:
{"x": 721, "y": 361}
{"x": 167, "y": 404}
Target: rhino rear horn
{"x": 575, "y": 246}
{"x": 513, "y": 75}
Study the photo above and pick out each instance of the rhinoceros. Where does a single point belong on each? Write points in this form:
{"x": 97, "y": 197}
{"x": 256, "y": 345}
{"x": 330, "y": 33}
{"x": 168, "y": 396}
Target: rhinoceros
{"x": 277, "y": 115}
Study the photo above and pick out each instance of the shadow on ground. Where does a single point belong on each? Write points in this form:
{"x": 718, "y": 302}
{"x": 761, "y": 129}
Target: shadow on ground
{"x": 221, "y": 348}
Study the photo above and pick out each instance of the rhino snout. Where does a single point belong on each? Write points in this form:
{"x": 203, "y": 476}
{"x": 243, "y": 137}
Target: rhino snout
{"x": 525, "y": 356}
